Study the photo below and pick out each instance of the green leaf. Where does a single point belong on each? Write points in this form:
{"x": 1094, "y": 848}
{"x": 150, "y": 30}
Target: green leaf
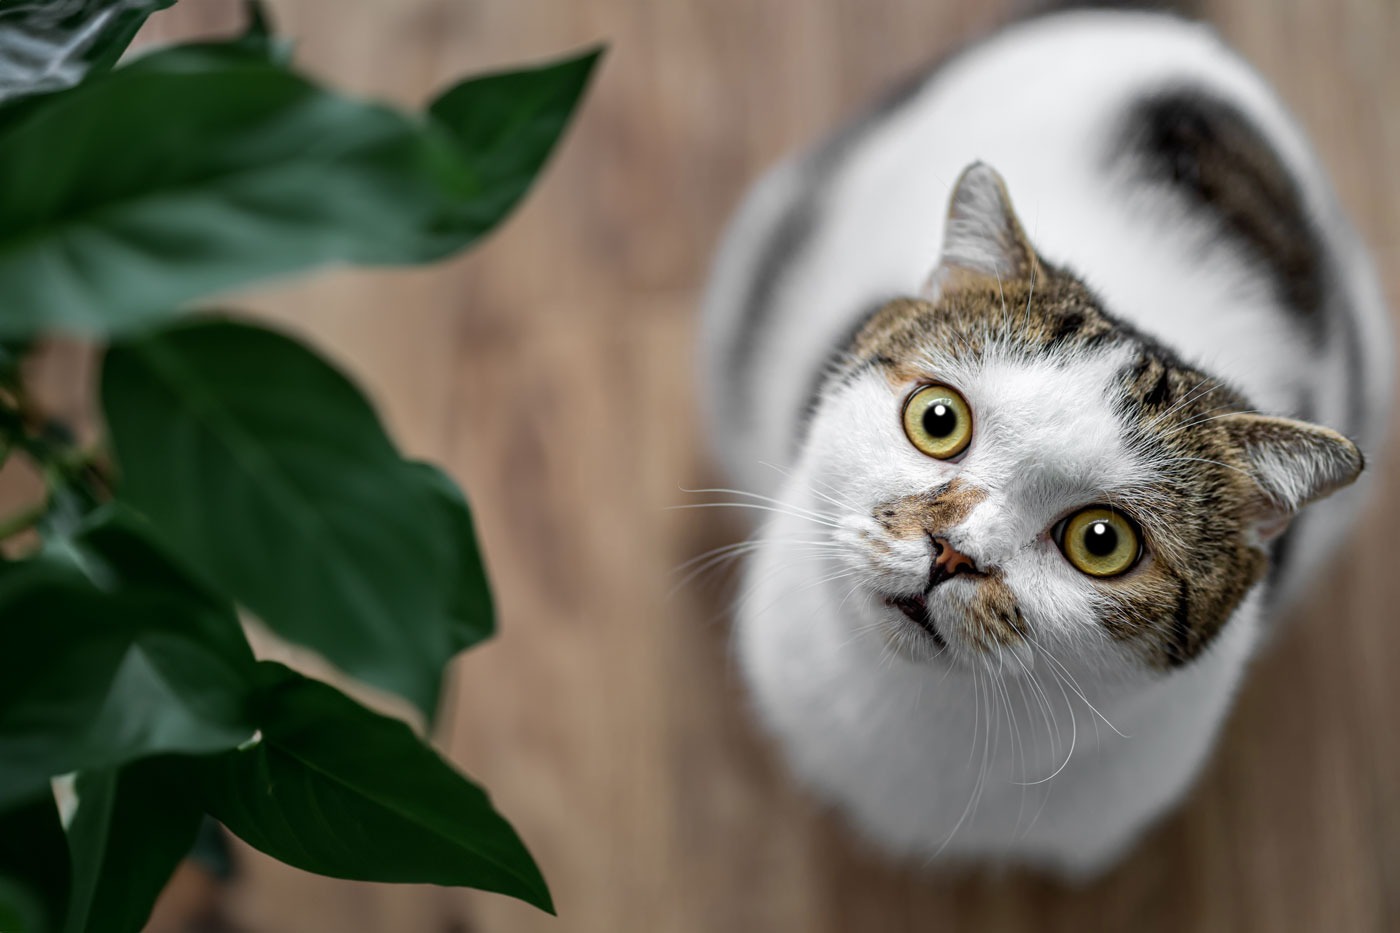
{"x": 259, "y": 20}
{"x": 116, "y": 547}
{"x": 268, "y": 471}
{"x": 49, "y": 46}
{"x": 132, "y": 828}
{"x": 196, "y": 172}
{"x": 338, "y": 790}
{"x": 257, "y": 45}
{"x": 505, "y": 126}
{"x": 33, "y": 865}
{"x": 92, "y": 677}
{"x": 472, "y": 615}
{"x": 192, "y": 171}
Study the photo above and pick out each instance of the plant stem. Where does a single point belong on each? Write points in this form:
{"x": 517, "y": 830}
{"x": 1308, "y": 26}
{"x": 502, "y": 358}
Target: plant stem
{"x": 22, "y": 521}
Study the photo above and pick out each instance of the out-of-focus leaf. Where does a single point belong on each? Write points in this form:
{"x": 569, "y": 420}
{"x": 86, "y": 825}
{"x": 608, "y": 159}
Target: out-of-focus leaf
{"x": 257, "y": 45}
{"x": 132, "y": 827}
{"x": 259, "y": 36}
{"x": 472, "y": 615}
{"x": 33, "y": 865}
{"x": 336, "y": 789}
{"x": 47, "y": 45}
{"x": 199, "y": 169}
{"x": 93, "y": 677}
{"x": 116, "y": 548}
{"x": 259, "y": 20}
{"x": 505, "y": 126}
{"x": 270, "y": 473}
{"x": 211, "y": 850}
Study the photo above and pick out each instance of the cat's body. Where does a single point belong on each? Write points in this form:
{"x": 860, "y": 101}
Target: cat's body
{"x": 1146, "y": 162}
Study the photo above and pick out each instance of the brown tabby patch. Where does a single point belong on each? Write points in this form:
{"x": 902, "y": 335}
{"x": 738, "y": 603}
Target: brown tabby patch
{"x": 929, "y": 513}
{"x": 992, "y": 617}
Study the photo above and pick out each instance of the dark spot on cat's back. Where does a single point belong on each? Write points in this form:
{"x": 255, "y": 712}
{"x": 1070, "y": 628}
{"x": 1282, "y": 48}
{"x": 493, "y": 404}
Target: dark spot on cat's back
{"x": 1211, "y": 155}
{"x": 1213, "y": 158}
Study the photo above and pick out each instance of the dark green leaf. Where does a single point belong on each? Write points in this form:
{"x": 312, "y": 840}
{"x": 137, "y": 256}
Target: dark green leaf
{"x": 33, "y": 865}
{"x": 505, "y": 125}
{"x": 211, "y": 850}
{"x": 49, "y": 46}
{"x": 199, "y": 169}
{"x": 268, "y": 471}
{"x": 471, "y": 613}
{"x": 338, "y": 790}
{"x": 117, "y": 548}
{"x": 93, "y": 677}
{"x": 131, "y": 829}
{"x": 257, "y": 45}
{"x": 259, "y": 21}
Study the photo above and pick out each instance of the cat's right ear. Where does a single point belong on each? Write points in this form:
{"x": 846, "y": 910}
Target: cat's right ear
{"x": 1292, "y": 463}
{"x": 983, "y": 240}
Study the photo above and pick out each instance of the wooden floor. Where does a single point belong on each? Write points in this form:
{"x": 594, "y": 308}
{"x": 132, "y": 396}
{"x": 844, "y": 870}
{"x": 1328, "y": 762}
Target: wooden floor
{"x": 551, "y": 372}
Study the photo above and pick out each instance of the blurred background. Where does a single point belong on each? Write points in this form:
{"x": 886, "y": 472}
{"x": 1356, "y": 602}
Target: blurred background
{"x": 551, "y": 372}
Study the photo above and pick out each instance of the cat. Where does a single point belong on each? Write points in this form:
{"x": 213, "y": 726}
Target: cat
{"x": 1035, "y": 496}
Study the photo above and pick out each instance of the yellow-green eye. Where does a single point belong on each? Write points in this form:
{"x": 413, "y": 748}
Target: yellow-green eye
{"x": 938, "y": 421}
{"x": 1100, "y": 542}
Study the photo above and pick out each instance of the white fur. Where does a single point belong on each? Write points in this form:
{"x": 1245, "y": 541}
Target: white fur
{"x": 1062, "y": 751}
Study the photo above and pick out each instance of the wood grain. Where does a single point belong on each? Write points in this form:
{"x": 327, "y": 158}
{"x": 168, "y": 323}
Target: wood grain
{"x": 550, "y": 370}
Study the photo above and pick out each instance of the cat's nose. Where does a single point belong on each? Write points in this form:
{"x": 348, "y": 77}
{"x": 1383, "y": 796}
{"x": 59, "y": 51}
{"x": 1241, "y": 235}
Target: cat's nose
{"x": 948, "y": 562}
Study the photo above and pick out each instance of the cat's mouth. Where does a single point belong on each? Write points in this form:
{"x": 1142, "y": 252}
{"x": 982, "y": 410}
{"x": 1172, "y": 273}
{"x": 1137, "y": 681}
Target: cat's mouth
{"x": 915, "y": 607}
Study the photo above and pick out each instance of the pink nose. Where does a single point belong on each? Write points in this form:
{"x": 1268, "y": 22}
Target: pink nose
{"x": 948, "y": 562}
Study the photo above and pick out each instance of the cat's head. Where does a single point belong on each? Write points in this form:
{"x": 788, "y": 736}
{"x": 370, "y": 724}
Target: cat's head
{"x": 1017, "y": 466}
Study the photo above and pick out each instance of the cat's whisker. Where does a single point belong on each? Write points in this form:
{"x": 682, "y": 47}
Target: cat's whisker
{"x": 1052, "y": 723}
{"x": 1226, "y": 466}
{"x": 832, "y": 498}
{"x": 1074, "y": 685}
{"x": 1209, "y": 417}
{"x": 860, "y": 631}
{"x": 976, "y": 795}
{"x": 1201, "y": 388}
{"x": 722, "y": 550}
{"x": 727, "y": 550}
{"x": 753, "y": 589}
{"x": 711, "y": 562}
{"x": 1030, "y": 295}
{"x": 1035, "y": 749}
{"x": 1018, "y": 751}
{"x": 1073, "y": 735}
{"x": 756, "y": 506}
{"x": 841, "y": 575}
{"x": 717, "y": 557}
{"x": 849, "y": 594}
{"x": 1005, "y": 314}
{"x": 769, "y": 499}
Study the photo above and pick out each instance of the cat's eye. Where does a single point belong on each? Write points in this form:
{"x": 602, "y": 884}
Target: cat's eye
{"x": 938, "y": 421}
{"x": 1099, "y": 542}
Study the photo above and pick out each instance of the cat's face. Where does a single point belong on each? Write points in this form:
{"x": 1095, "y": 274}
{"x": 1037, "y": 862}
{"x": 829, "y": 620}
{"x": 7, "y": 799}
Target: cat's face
{"x": 1015, "y": 468}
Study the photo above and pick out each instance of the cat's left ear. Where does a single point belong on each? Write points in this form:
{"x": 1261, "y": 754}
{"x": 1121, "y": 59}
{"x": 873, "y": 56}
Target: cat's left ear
{"x": 983, "y": 240}
{"x": 1292, "y": 463}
